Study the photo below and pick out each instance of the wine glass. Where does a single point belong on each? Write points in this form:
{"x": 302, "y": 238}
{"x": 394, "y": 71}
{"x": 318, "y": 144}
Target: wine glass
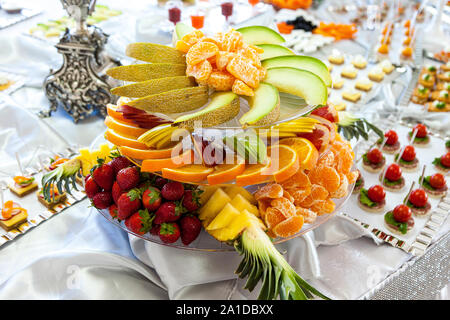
{"x": 174, "y": 11}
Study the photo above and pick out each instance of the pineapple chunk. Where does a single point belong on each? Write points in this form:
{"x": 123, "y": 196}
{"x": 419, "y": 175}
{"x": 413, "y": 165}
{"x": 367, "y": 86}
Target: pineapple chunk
{"x": 224, "y": 218}
{"x": 232, "y": 191}
{"x": 240, "y": 203}
{"x": 207, "y": 193}
{"x": 104, "y": 152}
{"x": 236, "y": 226}
{"x": 214, "y": 205}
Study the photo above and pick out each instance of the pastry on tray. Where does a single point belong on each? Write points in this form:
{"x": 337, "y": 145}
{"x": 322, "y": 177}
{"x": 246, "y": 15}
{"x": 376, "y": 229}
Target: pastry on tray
{"x": 408, "y": 161}
{"x": 337, "y": 82}
{"x": 373, "y": 160}
{"x": 12, "y": 215}
{"x": 55, "y": 197}
{"x": 421, "y": 139}
{"x": 386, "y": 66}
{"x": 441, "y": 95}
{"x": 420, "y": 95}
{"x": 442, "y": 164}
{"x": 349, "y": 72}
{"x": 434, "y": 185}
{"x": 399, "y": 220}
{"x": 429, "y": 69}
{"x": 392, "y": 144}
{"x": 372, "y": 199}
{"x": 364, "y": 84}
{"x": 376, "y": 74}
{"x": 442, "y": 85}
{"x": 438, "y": 106}
{"x": 22, "y": 185}
{"x": 427, "y": 80}
{"x": 352, "y": 96}
{"x": 418, "y": 203}
{"x": 336, "y": 57}
{"x": 444, "y": 76}
{"x": 393, "y": 179}
{"x": 359, "y": 62}
{"x": 446, "y": 67}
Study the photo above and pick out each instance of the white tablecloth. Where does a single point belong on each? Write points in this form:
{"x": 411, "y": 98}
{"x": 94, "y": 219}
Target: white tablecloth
{"x": 79, "y": 255}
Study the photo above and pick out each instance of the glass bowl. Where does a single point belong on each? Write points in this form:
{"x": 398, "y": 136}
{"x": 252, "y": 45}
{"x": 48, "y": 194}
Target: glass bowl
{"x": 205, "y": 242}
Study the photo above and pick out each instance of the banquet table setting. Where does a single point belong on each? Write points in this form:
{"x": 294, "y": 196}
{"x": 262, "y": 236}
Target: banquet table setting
{"x": 92, "y": 94}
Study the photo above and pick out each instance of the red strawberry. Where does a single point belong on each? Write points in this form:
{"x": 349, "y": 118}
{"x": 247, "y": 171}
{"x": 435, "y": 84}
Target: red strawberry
{"x": 168, "y": 212}
{"x": 128, "y": 178}
{"x": 119, "y": 163}
{"x": 129, "y": 203}
{"x": 91, "y": 188}
{"x": 151, "y": 198}
{"x": 103, "y": 175}
{"x": 191, "y": 200}
{"x": 140, "y": 222}
{"x": 155, "y": 229}
{"x": 102, "y": 200}
{"x": 172, "y": 191}
{"x": 190, "y": 229}
{"x": 169, "y": 232}
{"x": 116, "y": 191}
{"x": 160, "y": 182}
{"x": 113, "y": 211}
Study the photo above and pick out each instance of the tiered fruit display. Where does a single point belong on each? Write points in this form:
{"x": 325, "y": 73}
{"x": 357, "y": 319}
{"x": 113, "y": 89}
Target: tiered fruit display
{"x": 171, "y": 124}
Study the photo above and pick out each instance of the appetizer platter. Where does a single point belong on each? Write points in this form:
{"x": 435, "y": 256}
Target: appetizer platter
{"x": 44, "y": 189}
{"x": 432, "y": 88}
{"x": 355, "y": 80}
{"x": 402, "y": 197}
{"x": 225, "y": 141}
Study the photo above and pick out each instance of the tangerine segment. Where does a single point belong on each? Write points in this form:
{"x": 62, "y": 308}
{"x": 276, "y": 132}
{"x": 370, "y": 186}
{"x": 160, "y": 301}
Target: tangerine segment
{"x": 123, "y": 128}
{"x": 298, "y": 180}
{"x": 323, "y": 206}
{"x": 352, "y": 176}
{"x": 342, "y": 191}
{"x": 221, "y": 81}
{"x": 200, "y": 52}
{"x": 120, "y": 140}
{"x": 239, "y": 87}
{"x": 148, "y": 154}
{"x": 284, "y": 162}
{"x": 193, "y": 37}
{"x": 273, "y": 217}
{"x": 326, "y": 177}
{"x": 286, "y": 207}
{"x": 230, "y": 41}
{"x": 222, "y": 59}
{"x": 289, "y": 226}
{"x": 154, "y": 165}
{"x": 300, "y": 194}
{"x": 243, "y": 69}
{"x": 226, "y": 172}
{"x": 200, "y": 71}
{"x": 254, "y": 174}
{"x": 189, "y": 173}
{"x": 345, "y": 161}
{"x": 309, "y": 216}
{"x": 182, "y": 46}
{"x": 263, "y": 205}
{"x": 306, "y": 152}
{"x": 113, "y": 113}
{"x": 270, "y": 190}
{"x": 250, "y": 54}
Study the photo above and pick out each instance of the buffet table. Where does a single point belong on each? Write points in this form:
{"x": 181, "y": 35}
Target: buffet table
{"x": 79, "y": 255}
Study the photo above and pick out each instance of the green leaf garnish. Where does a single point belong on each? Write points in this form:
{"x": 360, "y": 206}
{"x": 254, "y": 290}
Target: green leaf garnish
{"x": 364, "y": 198}
{"x": 402, "y": 226}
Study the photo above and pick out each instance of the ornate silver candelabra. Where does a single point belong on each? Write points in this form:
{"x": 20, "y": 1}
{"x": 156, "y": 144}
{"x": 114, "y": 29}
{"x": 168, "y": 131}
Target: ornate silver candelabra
{"x": 80, "y": 86}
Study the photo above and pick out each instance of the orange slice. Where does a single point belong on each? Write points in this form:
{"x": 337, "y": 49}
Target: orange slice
{"x": 148, "y": 154}
{"x": 306, "y": 152}
{"x": 154, "y": 165}
{"x": 113, "y": 113}
{"x": 254, "y": 174}
{"x": 123, "y": 141}
{"x": 189, "y": 173}
{"x": 284, "y": 162}
{"x": 226, "y": 172}
{"x": 124, "y": 128}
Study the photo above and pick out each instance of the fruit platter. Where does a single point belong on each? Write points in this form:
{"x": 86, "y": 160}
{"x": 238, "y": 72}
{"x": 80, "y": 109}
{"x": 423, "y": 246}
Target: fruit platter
{"x": 223, "y": 142}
